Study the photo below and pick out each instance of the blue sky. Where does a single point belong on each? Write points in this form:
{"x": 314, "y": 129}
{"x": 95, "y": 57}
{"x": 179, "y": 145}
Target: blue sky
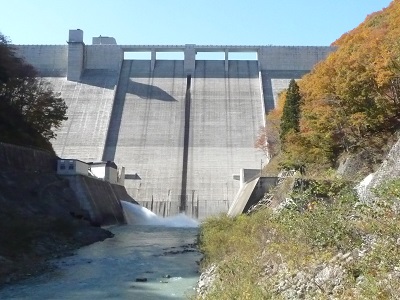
{"x": 216, "y": 22}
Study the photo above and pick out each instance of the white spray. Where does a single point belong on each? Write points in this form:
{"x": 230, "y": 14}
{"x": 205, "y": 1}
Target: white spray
{"x": 139, "y": 215}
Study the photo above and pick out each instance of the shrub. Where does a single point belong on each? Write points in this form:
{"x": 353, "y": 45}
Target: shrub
{"x": 250, "y": 249}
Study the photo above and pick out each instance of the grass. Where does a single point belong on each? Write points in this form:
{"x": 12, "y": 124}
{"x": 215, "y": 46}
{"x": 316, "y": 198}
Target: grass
{"x": 253, "y": 251}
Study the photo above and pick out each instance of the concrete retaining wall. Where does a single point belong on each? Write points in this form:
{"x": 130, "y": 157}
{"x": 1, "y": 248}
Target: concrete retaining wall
{"x": 121, "y": 193}
{"x": 251, "y": 193}
{"x": 89, "y": 103}
{"x": 98, "y": 198}
{"x": 280, "y": 63}
{"x": 17, "y": 158}
{"x": 265, "y": 184}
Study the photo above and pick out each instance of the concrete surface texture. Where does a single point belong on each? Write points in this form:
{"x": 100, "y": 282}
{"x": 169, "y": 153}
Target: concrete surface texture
{"x": 180, "y": 153}
{"x": 146, "y": 130}
{"x": 250, "y": 193}
{"x": 243, "y": 197}
{"x": 89, "y": 102}
{"x": 49, "y": 60}
{"x": 226, "y": 114}
{"x": 98, "y": 199}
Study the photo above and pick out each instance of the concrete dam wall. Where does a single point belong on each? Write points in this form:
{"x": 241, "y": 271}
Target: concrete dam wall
{"x": 89, "y": 102}
{"x": 146, "y": 130}
{"x": 181, "y": 128}
{"x": 181, "y": 139}
{"x": 226, "y": 114}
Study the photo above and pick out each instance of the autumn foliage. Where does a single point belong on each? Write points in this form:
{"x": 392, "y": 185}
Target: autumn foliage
{"x": 353, "y": 95}
{"x": 268, "y": 139}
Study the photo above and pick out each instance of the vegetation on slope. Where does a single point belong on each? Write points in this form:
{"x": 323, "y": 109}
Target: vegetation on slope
{"x": 351, "y": 100}
{"x": 325, "y": 244}
{"x": 29, "y": 109}
{"x": 14, "y": 130}
{"x": 336, "y": 247}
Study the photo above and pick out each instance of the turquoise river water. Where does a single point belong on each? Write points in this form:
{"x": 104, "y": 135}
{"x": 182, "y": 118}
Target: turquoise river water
{"x": 160, "y": 251}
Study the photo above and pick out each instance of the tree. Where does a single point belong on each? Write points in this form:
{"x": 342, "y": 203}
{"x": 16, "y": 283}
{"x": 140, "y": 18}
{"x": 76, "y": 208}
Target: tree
{"x": 349, "y": 101}
{"x": 352, "y": 97}
{"x": 268, "y": 139}
{"x": 28, "y": 95}
{"x": 291, "y": 111}
{"x": 39, "y": 106}
{"x": 10, "y": 65}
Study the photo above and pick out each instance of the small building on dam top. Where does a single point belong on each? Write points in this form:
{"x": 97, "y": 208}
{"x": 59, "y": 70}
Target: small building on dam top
{"x": 180, "y": 127}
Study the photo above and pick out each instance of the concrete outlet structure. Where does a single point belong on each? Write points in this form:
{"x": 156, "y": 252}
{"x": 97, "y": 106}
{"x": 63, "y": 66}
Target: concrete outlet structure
{"x": 181, "y": 128}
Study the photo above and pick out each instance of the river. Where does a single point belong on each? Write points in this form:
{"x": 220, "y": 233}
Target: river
{"x": 155, "y": 259}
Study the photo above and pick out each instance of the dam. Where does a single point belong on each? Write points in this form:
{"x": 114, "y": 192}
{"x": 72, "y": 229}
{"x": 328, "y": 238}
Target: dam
{"x": 181, "y": 128}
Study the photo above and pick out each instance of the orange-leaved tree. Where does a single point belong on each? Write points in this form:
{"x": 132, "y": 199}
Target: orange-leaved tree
{"x": 353, "y": 94}
{"x": 268, "y": 139}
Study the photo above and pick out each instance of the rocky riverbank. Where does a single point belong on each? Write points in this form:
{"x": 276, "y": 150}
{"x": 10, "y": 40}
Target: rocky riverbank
{"x": 38, "y": 259}
{"x": 40, "y": 219}
{"x": 327, "y": 242}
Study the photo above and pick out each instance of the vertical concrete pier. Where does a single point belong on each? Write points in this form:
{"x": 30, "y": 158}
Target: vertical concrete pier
{"x": 190, "y": 59}
{"x": 75, "y": 55}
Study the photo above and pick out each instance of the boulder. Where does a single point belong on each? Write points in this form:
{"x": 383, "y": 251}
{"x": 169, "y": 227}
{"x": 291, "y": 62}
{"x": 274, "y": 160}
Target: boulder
{"x": 389, "y": 170}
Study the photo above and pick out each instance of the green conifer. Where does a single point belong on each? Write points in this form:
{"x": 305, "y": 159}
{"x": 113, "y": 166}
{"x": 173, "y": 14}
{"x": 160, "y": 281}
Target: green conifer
{"x": 291, "y": 110}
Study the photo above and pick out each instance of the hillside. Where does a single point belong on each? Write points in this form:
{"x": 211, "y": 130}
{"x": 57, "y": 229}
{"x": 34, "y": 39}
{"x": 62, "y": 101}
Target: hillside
{"x": 40, "y": 216}
{"x": 36, "y": 223}
{"x": 30, "y": 111}
{"x": 324, "y": 242}
{"x": 350, "y": 101}
{"x": 14, "y": 130}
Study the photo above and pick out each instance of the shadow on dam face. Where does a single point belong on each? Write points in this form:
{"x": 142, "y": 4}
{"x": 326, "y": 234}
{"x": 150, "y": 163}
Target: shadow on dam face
{"x": 185, "y": 136}
{"x": 148, "y": 92}
{"x": 185, "y": 159}
{"x": 105, "y": 79}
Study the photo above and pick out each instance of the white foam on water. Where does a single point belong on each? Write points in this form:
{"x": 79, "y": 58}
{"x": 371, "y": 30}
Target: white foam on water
{"x": 139, "y": 215}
